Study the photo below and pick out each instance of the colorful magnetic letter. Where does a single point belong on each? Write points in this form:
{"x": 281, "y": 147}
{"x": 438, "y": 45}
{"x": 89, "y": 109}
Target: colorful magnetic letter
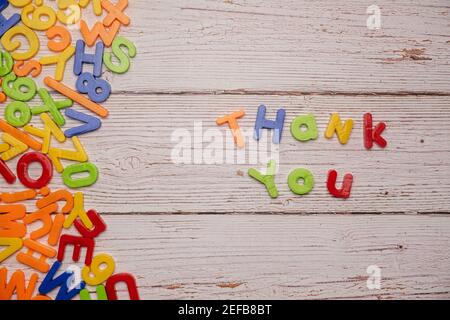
{"x": 98, "y": 90}
{"x": 89, "y": 180}
{"x": 122, "y": 277}
{"x": 50, "y": 282}
{"x": 28, "y": 259}
{"x": 12, "y": 146}
{"x": 13, "y": 197}
{"x": 59, "y": 195}
{"x": 36, "y": 22}
{"x": 55, "y": 231}
{"x": 51, "y": 129}
{"x": 115, "y": 12}
{"x": 101, "y": 293}
{"x": 6, "y": 24}
{"x": 75, "y": 96}
{"x": 78, "y": 211}
{"x": 96, "y": 219}
{"x": 6, "y": 63}
{"x": 99, "y": 273}
{"x": 23, "y": 89}
{"x": 99, "y": 31}
{"x": 343, "y": 131}
{"x": 63, "y": 46}
{"x": 25, "y": 68}
{"x": 10, "y": 45}
{"x": 19, "y": 135}
{"x": 263, "y": 123}
{"x": 301, "y": 174}
{"x": 17, "y": 113}
{"x": 372, "y": 134}
{"x": 124, "y": 59}
{"x": 95, "y": 59}
{"x": 51, "y": 106}
{"x": 13, "y": 245}
{"x": 308, "y": 122}
{"x": 6, "y": 172}
{"x": 268, "y": 179}
{"x": 22, "y": 170}
{"x": 78, "y": 243}
{"x": 16, "y": 284}
{"x": 90, "y": 123}
{"x": 79, "y": 154}
{"x": 9, "y": 226}
{"x": 231, "y": 119}
{"x": 69, "y": 12}
{"x": 58, "y": 32}
{"x": 96, "y": 5}
{"x": 60, "y": 60}
{"x": 344, "y": 192}
{"x": 43, "y": 215}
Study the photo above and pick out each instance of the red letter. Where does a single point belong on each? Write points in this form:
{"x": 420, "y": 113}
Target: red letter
{"x": 372, "y": 134}
{"x": 77, "y": 243}
{"x": 344, "y": 192}
{"x": 22, "y": 170}
{"x": 121, "y": 277}
{"x": 6, "y": 172}
{"x": 97, "y": 221}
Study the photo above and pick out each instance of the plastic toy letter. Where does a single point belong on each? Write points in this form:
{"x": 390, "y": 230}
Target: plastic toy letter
{"x": 308, "y": 122}
{"x": 301, "y": 174}
{"x": 267, "y": 179}
{"x": 263, "y": 123}
{"x": 231, "y": 119}
{"x": 343, "y": 130}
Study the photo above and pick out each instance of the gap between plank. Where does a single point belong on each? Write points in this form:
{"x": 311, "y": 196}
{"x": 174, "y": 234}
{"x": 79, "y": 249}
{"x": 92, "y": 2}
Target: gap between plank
{"x": 287, "y": 93}
{"x": 245, "y": 92}
{"x": 386, "y": 213}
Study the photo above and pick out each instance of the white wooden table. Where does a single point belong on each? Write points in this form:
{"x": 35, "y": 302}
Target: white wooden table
{"x": 210, "y": 231}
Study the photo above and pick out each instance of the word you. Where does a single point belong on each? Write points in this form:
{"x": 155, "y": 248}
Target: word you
{"x": 304, "y": 128}
{"x": 32, "y": 220}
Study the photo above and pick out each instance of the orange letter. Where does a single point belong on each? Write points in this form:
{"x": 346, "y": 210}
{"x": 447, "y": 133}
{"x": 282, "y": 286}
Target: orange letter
{"x": 232, "y": 123}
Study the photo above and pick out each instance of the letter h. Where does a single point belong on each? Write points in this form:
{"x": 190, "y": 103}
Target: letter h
{"x": 6, "y": 24}
{"x": 263, "y": 123}
{"x": 81, "y": 57}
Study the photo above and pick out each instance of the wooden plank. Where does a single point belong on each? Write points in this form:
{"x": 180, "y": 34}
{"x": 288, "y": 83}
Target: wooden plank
{"x": 273, "y": 257}
{"x": 294, "y": 46}
{"x": 134, "y": 147}
{"x": 290, "y": 46}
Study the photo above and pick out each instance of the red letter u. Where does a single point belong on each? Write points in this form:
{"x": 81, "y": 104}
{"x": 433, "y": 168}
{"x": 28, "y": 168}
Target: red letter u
{"x": 344, "y": 192}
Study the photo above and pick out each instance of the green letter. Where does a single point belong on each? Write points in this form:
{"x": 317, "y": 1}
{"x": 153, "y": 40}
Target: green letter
{"x": 101, "y": 293}
{"x": 268, "y": 179}
{"x": 308, "y": 181}
{"x": 309, "y": 122}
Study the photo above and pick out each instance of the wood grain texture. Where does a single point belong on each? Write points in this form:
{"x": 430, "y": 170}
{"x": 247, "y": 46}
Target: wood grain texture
{"x": 198, "y": 60}
{"x": 133, "y": 152}
{"x": 287, "y": 46}
{"x": 274, "y": 257}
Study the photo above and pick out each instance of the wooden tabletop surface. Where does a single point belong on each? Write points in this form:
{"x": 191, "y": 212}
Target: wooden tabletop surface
{"x": 209, "y": 230}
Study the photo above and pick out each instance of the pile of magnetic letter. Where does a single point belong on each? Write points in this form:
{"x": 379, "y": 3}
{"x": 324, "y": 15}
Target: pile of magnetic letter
{"x": 35, "y": 141}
